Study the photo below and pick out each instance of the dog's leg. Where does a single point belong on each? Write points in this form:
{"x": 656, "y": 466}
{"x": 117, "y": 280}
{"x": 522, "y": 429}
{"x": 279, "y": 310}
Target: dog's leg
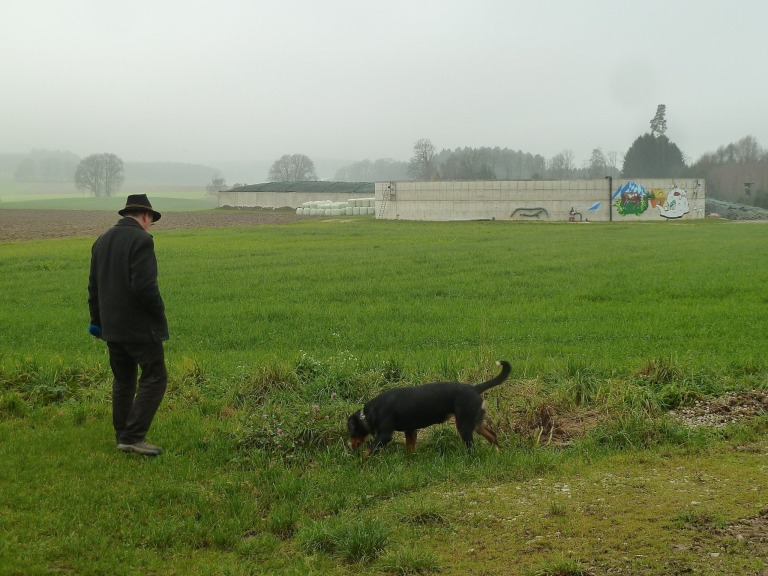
{"x": 465, "y": 431}
{"x": 410, "y": 440}
{"x": 489, "y": 434}
{"x": 381, "y": 440}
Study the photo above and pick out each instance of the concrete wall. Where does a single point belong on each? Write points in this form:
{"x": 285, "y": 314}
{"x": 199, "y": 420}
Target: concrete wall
{"x": 280, "y": 199}
{"x": 545, "y": 200}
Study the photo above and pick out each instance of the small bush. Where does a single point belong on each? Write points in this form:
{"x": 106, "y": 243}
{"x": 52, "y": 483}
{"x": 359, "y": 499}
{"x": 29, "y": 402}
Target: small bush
{"x": 284, "y": 427}
{"x": 342, "y": 375}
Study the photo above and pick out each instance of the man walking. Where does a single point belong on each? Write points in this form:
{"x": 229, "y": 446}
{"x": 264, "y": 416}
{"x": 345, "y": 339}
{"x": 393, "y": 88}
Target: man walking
{"x": 128, "y": 313}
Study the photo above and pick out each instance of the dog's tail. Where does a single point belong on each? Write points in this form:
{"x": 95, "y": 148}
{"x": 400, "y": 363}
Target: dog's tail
{"x": 505, "y": 370}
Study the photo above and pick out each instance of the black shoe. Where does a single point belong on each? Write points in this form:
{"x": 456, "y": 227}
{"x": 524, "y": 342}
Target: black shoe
{"x": 142, "y": 448}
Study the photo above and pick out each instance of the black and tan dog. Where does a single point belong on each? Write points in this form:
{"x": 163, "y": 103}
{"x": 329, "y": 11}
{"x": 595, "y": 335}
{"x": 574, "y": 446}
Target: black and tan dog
{"x": 412, "y": 408}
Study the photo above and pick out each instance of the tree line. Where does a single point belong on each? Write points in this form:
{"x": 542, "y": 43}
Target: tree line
{"x": 736, "y": 171}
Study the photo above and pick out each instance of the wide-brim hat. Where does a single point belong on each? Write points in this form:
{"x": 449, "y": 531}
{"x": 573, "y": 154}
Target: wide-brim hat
{"x": 139, "y": 202}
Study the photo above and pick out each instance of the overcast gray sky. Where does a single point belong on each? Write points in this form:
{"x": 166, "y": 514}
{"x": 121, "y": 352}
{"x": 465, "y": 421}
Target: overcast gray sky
{"x": 249, "y": 80}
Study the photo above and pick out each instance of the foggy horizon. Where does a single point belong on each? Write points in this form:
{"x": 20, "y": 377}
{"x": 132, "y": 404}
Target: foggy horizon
{"x": 246, "y": 82}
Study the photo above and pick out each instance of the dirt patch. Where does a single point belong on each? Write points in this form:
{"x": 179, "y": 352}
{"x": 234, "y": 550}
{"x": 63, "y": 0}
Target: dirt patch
{"x": 549, "y": 424}
{"x": 39, "y": 224}
{"x": 727, "y": 409}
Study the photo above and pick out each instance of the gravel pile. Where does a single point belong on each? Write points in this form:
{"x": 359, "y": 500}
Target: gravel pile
{"x": 726, "y": 409}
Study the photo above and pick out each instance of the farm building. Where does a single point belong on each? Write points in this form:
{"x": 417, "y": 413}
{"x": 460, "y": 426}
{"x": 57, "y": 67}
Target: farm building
{"x": 600, "y": 200}
{"x": 292, "y": 194}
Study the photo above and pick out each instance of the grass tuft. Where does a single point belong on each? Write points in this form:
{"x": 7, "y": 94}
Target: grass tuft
{"x": 409, "y": 561}
{"x": 358, "y": 540}
{"x": 561, "y": 567}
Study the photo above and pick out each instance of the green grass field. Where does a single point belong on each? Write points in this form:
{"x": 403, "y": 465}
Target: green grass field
{"x": 279, "y": 332}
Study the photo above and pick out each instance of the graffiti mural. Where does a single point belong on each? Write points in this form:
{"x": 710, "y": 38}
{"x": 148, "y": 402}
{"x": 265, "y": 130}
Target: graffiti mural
{"x": 530, "y": 212}
{"x": 631, "y": 198}
{"x": 675, "y": 205}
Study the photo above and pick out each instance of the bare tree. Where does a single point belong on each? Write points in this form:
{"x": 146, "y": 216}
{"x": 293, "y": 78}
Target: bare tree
{"x": 612, "y": 159}
{"x": 101, "y": 174}
{"x": 561, "y": 165}
{"x": 422, "y": 165}
{"x": 597, "y": 164}
{"x": 292, "y": 168}
{"x": 216, "y": 185}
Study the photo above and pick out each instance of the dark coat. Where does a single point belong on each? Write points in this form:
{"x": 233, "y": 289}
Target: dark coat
{"x": 123, "y": 295}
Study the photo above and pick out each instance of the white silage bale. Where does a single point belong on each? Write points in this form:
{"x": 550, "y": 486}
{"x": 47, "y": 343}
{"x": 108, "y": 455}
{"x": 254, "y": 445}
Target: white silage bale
{"x": 348, "y": 211}
{"x": 371, "y": 210}
{"x": 336, "y": 212}
{"x": 299, "y": 211}
{"x": 356, "y": 211}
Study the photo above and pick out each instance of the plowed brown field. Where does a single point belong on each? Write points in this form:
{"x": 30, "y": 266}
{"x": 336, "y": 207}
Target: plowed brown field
{"x": 37, "y": 224}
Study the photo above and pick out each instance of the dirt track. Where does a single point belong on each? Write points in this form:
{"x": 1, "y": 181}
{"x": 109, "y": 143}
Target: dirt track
{"x": 37, "y": 224}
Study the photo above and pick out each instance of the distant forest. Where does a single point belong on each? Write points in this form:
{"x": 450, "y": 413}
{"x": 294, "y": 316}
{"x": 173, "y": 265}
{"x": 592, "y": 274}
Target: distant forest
{"x": 481, "y": 164}
{"x": 60, "y": 166}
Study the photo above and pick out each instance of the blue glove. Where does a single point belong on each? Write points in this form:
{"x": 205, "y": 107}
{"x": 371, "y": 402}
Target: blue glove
{"x": 94, "y": 330}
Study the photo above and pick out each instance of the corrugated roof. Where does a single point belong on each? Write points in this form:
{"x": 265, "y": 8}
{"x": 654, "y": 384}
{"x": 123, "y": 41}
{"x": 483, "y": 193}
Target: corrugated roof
{"x": 309, "y": 186}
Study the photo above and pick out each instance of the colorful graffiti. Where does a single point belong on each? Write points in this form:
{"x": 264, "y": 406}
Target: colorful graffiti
{"x": 633, "y": 199}
{"x": 676, "y": 204}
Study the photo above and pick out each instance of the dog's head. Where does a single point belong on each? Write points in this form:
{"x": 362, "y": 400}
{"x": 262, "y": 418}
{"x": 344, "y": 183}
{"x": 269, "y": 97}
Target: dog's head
{"x": 358, "y": 429}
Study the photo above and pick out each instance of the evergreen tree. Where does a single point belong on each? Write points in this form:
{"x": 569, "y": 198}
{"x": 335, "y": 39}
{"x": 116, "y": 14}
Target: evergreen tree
{"x": 659, "y": 122}
{"x": 653, "y": 157}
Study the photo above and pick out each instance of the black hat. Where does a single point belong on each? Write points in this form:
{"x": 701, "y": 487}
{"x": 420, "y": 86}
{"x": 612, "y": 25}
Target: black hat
{"x": 139, "y": 202}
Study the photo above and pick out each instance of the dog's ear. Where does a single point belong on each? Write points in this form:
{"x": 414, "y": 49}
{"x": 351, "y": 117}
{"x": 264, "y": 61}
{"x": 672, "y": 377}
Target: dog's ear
{"x": 353, "y": 425}
{"x": 356, "y": 425}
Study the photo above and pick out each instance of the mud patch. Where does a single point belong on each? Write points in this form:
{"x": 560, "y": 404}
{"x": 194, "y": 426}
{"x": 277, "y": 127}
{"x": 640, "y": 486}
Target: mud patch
{"x": 17, "y": 225}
